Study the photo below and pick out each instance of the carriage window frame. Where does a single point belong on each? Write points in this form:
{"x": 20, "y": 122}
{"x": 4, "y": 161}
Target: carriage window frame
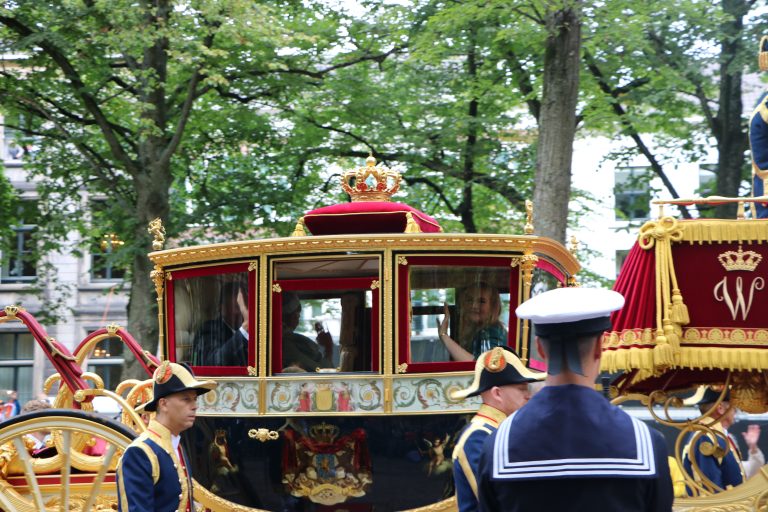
{"x": 279, "y": 286}
{"x": 403, "y": 320}
{"x": 250, "y": 269}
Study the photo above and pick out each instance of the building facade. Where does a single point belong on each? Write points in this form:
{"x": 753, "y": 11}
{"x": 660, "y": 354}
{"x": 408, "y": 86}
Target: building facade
{"x": 90, "y": 288}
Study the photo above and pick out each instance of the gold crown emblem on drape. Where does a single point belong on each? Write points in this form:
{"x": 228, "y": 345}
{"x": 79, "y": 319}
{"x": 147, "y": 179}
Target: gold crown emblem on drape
{"x": 370, "y": 183}
{"x": 740, "y": 260}
{"x": 324, "y": 432}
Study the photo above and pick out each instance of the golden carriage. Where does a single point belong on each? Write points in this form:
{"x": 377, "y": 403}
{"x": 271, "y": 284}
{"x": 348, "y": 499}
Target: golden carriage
{"x": 371, "y": 427}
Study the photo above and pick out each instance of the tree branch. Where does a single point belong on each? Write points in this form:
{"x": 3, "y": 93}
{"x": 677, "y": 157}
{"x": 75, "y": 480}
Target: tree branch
{"x": 79, "y": 89}
{"x": 630, "y": 129}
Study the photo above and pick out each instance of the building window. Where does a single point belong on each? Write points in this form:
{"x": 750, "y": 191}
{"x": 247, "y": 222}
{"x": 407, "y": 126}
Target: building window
{"x": 707, "y": 179}
{"x": 621, "y": 256}
{"x": 104, "y": 266}
{"x": 17, "y": 350}
{"x": 19, "y": 264}
{"x": 106, "y": 361}
{"x": 633, "y": 193}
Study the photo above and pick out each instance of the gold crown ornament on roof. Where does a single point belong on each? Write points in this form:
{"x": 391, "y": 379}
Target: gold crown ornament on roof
{"x": 740, "y": 260}
{"x": 370, "y": 183}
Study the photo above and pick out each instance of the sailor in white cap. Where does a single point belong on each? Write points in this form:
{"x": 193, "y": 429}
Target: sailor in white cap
{"x": 501, "y": 380}
{"x": 569, "y": 448}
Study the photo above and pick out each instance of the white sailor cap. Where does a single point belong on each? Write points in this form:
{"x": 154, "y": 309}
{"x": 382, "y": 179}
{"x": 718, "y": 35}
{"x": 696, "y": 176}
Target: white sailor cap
{"x": 571, "y": 311}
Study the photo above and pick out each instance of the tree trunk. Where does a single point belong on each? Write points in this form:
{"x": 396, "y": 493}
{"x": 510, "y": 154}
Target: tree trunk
{"x": 466, "y": 208}
{"x": 730, "y": 133}
{"x": 152, "y": 201}
{"x": 557, "y": 121}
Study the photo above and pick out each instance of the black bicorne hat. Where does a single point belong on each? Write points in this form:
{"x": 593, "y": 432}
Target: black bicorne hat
{"x": 498, "y": 367}
{"x": 170, "y": 378}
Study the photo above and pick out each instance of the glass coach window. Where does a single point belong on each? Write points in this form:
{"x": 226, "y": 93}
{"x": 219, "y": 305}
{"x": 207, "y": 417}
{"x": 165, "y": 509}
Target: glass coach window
{"x": 210, "y": 311}
{"x": 325, "y": 315}
{"x": 474, "y": 294}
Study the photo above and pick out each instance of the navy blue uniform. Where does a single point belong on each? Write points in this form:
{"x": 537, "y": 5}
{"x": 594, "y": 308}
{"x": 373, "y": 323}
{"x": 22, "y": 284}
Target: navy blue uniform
{"x": 150, "y": 477}
{"x": 601, "y": 458}
{"x": 723, "y": 471}
{"x": 758, "y": 141}
{"x": 466, "y": 454}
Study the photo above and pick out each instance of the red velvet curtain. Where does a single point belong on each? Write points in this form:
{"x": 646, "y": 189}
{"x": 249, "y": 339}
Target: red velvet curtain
{"x": 636, "y": 282}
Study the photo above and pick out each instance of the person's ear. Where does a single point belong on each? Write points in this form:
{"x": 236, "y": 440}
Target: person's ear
{"x": 540, "y": 349}
{"x": 598, "y": 352}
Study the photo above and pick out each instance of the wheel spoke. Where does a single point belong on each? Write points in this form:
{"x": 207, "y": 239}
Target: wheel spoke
{"x": 96, "y": 488}
{"x": 29, "y": 473}
{"x": 66, "y": 443}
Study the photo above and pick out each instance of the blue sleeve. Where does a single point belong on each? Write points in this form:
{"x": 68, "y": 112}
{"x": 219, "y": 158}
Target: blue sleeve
{"x": 758, "y": 138}
{"x": 135, "y": 486}
{"x": 487, "y": 499}
{"x": 473, "y": 449}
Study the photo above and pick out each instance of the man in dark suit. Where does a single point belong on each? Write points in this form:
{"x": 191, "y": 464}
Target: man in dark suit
{"x": 152, "y": 475}
{"x": 223, "y": 341}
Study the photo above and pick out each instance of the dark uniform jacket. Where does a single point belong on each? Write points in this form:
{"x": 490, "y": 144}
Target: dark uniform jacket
{"x": 570, "y": 449}
{"x": 725, "y": 471}
{"x": 466, "y": 454}
{"x": 149, "y": 475}
{"x": 758, "y": 141}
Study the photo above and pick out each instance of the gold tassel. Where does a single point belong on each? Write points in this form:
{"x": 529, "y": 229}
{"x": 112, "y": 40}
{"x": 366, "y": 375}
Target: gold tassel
{"x": 673, "y": 339}
{"x": 411, "y": 226}
{"x": 663, "y": 357}
{"x": 299, "y": 229}
{"x": 679, "y": 311}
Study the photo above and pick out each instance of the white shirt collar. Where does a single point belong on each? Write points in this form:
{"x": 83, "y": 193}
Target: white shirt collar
{"x": 175, "y": 440}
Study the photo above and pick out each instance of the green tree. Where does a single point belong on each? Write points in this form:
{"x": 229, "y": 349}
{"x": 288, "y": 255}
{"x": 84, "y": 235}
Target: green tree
{"x": 126, "y": 99}
{"x": 673, "y": 73}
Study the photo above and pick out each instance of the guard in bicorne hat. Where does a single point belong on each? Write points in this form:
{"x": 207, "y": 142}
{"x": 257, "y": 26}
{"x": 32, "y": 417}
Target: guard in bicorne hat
{"x": 569, "y": 448}
{"x": 501, "y": 380}
{"x": 152, "y": 475}
{"x": 724, "y": 468}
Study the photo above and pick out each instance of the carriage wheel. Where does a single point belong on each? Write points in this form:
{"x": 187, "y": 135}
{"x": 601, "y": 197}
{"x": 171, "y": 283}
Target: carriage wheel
{"x": 29, "y": 484}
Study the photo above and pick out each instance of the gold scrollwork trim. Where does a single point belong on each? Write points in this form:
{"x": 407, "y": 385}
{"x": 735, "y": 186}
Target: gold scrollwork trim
{"x": 158, "y": 277}
{"x": 375, "y": 284}
{"x": 253, "y": 266}
{"x": 217, "y": 504}
{"x": 247, "y": 250}
{"x": 401, "y": 260}
{"x": 263, "y": 434}
{"x": 277, "y": 288}
{"x": 448, "y": 505}
{"x": 252, "y": 371}
{"x": 402, "y": 368}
